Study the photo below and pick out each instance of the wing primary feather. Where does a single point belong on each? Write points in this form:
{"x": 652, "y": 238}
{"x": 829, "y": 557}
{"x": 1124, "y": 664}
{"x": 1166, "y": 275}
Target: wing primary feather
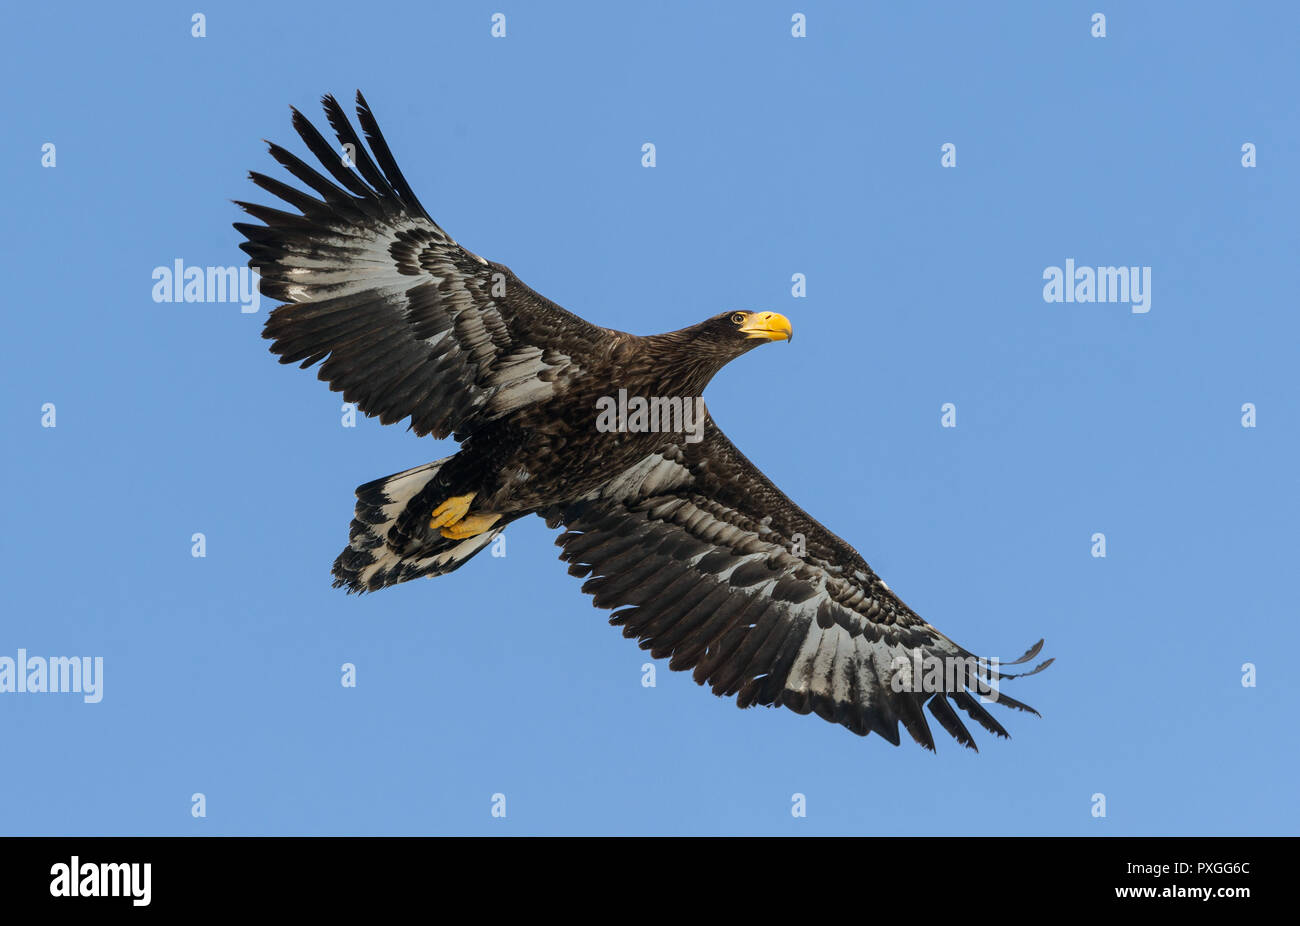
{"x": 1029, "y": 654}
{"x": 949, "y": 720}
{"x": 909, "y": 709}
{"x": 338, "y": 200}
{"x": 307, "y": 205}
{"x": 976, "y": 712}
{"x": 347, "y": 135}
{"x": 1034, "y": 671}
{"x": 329, "y": 158}
{"x": 385, "y": 157}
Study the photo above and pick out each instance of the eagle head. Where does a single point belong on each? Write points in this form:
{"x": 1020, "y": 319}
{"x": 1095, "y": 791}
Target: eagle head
{"x": 735, "y": 332}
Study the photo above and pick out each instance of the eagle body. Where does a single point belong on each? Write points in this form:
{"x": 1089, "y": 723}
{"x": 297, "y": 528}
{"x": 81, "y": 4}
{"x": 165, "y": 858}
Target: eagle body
{"x": 524, "y": 461}
{"x": 707, "y": 562}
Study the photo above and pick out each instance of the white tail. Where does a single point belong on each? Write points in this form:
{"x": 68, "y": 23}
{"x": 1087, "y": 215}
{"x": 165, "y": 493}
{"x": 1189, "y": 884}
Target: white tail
{"x": 390, "y": 541}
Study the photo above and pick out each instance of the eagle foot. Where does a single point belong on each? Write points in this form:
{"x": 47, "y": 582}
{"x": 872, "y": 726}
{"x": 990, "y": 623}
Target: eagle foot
{"x": 450, "y": 511}
{"x": 470, "y": 526}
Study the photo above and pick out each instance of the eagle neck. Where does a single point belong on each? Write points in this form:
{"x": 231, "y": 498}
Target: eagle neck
{"x": 681, "y": 365}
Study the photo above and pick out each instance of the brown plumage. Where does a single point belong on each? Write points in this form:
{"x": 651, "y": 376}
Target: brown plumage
{"x": 603, "y": 432}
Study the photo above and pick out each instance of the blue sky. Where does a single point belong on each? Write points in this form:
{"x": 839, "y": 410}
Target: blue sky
{"x": 775, "y": 156}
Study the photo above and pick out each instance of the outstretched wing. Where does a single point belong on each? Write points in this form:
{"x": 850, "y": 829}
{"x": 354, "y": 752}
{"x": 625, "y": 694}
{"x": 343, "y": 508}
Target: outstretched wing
{"x": 406, "y": 321}
{"x": 714, "y": 568}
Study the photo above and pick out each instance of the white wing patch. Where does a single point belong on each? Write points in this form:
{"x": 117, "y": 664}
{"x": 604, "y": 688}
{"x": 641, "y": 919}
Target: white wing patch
{"x": 517, "y": 378}
{"x": 654, "y": 474}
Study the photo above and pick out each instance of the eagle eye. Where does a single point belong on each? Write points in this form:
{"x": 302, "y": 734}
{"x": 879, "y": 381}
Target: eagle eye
{"x": 738, "y": 318}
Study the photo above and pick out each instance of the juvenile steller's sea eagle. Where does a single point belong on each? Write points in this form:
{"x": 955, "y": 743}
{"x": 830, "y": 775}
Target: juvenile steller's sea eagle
{"x": 708, "y": 562}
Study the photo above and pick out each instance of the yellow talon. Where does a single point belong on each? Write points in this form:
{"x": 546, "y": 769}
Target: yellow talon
{"x": 450, "y": 511}
{"x": 470, "y": 526}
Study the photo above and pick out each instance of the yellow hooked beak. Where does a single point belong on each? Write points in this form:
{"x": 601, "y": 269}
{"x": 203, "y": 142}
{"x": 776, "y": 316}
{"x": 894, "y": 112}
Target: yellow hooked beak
{"x": 770, "y": 325}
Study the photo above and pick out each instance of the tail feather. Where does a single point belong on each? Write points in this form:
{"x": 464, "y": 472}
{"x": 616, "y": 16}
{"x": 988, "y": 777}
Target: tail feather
{"x": 389, "y": 541}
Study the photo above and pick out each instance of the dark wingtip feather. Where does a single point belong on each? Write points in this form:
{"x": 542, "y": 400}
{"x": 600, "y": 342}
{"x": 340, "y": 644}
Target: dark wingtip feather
{"x": 387, "y": 163}
{"x": 976, "y": 712}
{"x": 1034, "y": 671}
{"x": 1008, "y": 701}
{"x": 949, "y": 720}
{"x": 1029, "y": 654}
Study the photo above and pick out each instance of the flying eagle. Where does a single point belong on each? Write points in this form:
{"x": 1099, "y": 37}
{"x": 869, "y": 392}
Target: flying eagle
{"x": 601, "y": 431}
